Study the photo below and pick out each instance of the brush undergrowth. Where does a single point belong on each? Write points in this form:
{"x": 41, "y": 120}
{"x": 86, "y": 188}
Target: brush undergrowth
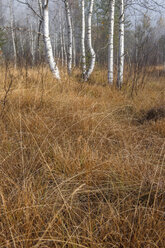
{"x": 81, "y": 164}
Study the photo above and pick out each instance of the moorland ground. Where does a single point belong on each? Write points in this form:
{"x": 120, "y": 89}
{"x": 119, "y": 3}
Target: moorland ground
{"x": 81, "y": 164}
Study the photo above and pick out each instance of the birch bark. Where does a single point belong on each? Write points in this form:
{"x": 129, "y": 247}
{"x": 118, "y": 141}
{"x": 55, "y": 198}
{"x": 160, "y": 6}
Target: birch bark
{"x": 83, "y": 39}
{"x": 39, "y": 30}
{"x": 89, "y": 41}
{"x": 74, "y": 49}
{"x": 61, "y": 44}
{"x": 64, "y": 48}
{"x": 111, "y": 42}
{"x": 70, "y": 36}
{"x": 21, "y": 43}
{"x": 32, "y": 44}
{"x": 47, "y": 41}
{"x": 12, "y": 33}
{"x": 121, "y": 46}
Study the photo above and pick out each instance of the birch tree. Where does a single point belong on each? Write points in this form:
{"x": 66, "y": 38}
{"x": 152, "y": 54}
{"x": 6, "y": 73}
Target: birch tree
{"x": 47, "y": 41}
{"x": 83, "y": 54}
{"x": 32, "y": 40}
{"x": 44, "y": 17}
{"x": 64, "y": 48}
{"x": 74, "y": 49}
{"x": 39, "y": 29}
{"x": 89, "y": 42}
{"x": 70, "y": 36}
{"x": 121, "y": 46}
{"x": 12, "y": 32}
{"x": 61, "y": 43}
{"x": 111, "y": 41}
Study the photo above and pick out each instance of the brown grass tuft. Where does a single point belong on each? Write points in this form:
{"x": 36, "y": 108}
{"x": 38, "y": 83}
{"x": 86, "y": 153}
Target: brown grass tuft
{"x": 77, "y": 169}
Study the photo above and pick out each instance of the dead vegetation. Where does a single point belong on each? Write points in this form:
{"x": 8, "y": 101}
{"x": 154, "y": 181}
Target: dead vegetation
{"x": 81, "y": 165}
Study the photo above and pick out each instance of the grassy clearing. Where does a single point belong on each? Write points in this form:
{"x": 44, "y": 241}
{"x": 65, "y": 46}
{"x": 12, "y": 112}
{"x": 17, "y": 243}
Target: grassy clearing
{"x": 81, "y": 165}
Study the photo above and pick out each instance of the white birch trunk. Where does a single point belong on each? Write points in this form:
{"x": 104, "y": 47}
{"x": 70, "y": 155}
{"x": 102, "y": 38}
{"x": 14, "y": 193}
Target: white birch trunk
{"x": 89, "y": 40}
{"x": 39, "y": 30}
{"x": 54, "y": 45}
{"x": 32, "y": 44}
{"x": 21, "y": 43}
{"x": 74, "y": 49}
{"x": 111, "y": 42}
{"x": 121, "y": 46}
{"x": 61, "y": 44}
{"x": 47, "y": 41}
{"x": 40, "y": 7}
{"x": 64, "y": 47}
{"x": 83, "y": 40}
{"x": 12, "y": 33}
{"x": 70, "y": 36}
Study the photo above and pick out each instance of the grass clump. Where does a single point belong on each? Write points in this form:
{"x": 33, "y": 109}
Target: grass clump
{"x": 77, "y": 169}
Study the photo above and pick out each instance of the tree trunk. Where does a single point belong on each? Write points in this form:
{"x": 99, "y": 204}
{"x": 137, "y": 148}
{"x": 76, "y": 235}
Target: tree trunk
{"x": 64, "y": 48}
{"x": 32, "y": 44}
{"x": 47, "y": 41}
{"x": 54, "y": 45}
{"x": 39, "y": 31}
{"x": 61, "y": 44}
{"x": 83, "y": 40}
{"x": 89, "y": 41}
{"x": 70, "y": 36}
{"x": 121, "y": 46}
{"x": 74, "y": 49}
{"x": 111, "y": 42}
{"x": 12, "y": 33}
{"x": 21, "y": 44}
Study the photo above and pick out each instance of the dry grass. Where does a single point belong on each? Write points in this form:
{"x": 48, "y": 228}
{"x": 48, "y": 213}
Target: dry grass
{"x": 81, "y": 165}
